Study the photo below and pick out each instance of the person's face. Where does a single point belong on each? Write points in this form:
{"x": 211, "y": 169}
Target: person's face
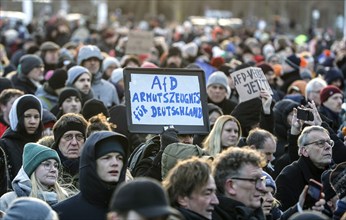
{"x": 36, "y": 74}
{"x": 185, "y": 138}
{"x": 202, "y": 201}
{"x": 52, "y": 57}
{"x": 270, "y": 76}
{"x": 268, "y": 200}
{"x": 83, "y": 83}
{"x": 289, "y": 118}
{"x": 269, "y": 148}
{"x": 109, "y": 167}
{"x": 213, "y": 116}
{"x": 92, "y": 64}
{"x": 7, "y": 107}
{"x": 71, "y": 144}
{"x": 249, "y": 192}
{"x": 176, "y": 60}
{"x": 47, "y": 172}
{"x": 109, "y": 70}
{"x": 31, "y": 120}
{"x": 319, "y": 154}
{"x": 132, "y": 64}
{"x": 314, "y": 94}
{"x": 229, "y": 134}
{"x": 71, "y": 105}
{"x": 334, "y": 103}
{"x": 216, "y": 93}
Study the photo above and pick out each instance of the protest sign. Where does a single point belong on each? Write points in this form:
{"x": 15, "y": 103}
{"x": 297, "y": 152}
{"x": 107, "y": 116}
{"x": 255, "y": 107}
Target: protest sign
{"x": 161, "y": 97}
{"x": 249, "y": 82}
{"x": 139, "y": 42}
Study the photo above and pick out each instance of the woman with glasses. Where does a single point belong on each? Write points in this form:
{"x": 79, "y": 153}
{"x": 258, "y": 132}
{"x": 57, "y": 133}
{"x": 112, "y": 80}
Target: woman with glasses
{"x": 38, "y": 177}
{"x": 25, "y": 126}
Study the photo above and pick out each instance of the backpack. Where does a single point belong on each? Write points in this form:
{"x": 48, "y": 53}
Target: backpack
{"x": 148, "y": 149}
{"x": 179, "y": 151}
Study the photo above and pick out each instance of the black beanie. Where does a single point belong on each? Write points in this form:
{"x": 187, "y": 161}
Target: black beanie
{"x": 68, "y": 92}
{"x": 108, "y": 145}
{"x": 29, "y": 62}
{"x": 69, "y": 126}
{"x": 5, "y": 84}
{"x": 28, "y": 102}
{"x": 93, "y": 107}
{"x": 58, "y": 79}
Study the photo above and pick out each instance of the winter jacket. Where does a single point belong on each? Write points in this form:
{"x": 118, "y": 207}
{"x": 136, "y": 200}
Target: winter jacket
{"x": 229, "y": 209}
{"x": 333, "y": 119}
{"x": 190, "y": 215}
{"x": 104, "y": 91}
{"x": 92, "y": 201}
{"x": 301, "y": 172}
{"x": 22, "y": 187}
{"x": 13, "y": 144}
{"x": 47, "y": 96}
{"x": 226, "y": 105}
{"x": 24, "y": 84}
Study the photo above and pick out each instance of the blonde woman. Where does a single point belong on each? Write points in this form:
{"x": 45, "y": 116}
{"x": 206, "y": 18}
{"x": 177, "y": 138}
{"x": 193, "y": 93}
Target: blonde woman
{"x": 38, "y": 177}
{"x": 225, "y": 133}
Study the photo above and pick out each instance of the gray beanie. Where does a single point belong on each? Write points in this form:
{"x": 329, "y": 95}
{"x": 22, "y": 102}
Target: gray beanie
{"x": 74, "y": 73}
{"x": 117, "y": 75}
{"x": 87, "y": 52}
{"x": 29, "y": 62}
{"x": 218, "y": 77}
{"x": 109, "y": 61}
{"x": 24, "y": 208}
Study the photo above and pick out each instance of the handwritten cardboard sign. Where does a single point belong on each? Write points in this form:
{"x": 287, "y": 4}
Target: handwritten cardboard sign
{"x": 249, "y": 82}
{"x": 139, "y": 42}
{"x": 161, "y": 97}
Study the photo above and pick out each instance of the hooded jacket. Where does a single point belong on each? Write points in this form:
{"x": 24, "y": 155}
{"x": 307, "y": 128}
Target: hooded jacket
{"x": 104, "y": 90}
{"x": 23, "y": 83}
{"x": 12, "y": 142}
{"x": 93, "y": 199}
{"x": 281, "y": 127}
{"x": 47, "y": 96}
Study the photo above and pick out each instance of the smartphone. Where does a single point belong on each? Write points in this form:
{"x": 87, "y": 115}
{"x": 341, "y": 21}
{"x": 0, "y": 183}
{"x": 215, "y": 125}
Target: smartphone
{"x": 304, "y": 115}
{"x": 313, "y": 194}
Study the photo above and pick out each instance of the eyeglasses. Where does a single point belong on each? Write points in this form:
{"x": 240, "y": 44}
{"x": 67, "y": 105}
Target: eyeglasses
{"x": 259, "y": 181}
{"x": 322, "y": 143}
{"x": 48, "y": 166}
{"x": 69, "y": 137}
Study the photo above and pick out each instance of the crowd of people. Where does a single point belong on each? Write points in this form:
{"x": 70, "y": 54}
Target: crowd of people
{"x": 66, "y": 151}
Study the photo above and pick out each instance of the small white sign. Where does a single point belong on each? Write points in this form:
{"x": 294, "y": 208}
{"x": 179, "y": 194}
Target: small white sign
{"x": 249, "y": 82}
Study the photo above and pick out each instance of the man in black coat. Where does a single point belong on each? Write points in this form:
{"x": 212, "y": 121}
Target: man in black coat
{"x": 315, "y": 150}
{"x": 240, "y": 184}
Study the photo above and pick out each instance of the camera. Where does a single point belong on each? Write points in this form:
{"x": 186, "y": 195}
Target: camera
{"x": 305, "y": 115}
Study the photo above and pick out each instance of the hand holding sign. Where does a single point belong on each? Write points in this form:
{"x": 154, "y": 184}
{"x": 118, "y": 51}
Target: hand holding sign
{"x": 249, "y": 82}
